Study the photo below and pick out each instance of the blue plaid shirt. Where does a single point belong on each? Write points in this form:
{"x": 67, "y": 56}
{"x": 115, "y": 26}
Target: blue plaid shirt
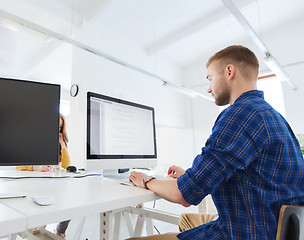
{"x": 251, "y": 165}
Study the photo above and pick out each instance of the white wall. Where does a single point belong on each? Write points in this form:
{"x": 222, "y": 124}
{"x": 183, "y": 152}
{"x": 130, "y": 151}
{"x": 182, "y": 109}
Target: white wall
{"x": 204, "y": 112}
{"x": 56, "y": 67}
{"x": 293, "y": 99}
{"x": 93, "y": 73}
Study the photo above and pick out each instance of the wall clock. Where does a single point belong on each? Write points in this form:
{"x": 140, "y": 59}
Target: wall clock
{"x": 74, "y": 90}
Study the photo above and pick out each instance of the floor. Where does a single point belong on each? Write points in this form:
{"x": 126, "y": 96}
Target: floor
{"x": 90, "y": 229}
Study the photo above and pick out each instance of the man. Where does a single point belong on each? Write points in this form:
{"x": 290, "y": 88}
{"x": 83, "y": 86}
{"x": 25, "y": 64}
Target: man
{"x": 251, "y": 163}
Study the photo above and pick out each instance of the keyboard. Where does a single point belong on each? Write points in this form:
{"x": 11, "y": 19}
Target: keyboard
{"x": 126, "y": 182}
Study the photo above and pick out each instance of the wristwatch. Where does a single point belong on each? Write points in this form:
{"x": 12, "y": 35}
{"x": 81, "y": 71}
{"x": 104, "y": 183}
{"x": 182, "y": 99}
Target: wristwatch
{"x": 146, "y": 180}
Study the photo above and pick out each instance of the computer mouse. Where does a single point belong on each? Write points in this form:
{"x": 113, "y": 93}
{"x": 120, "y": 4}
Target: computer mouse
{"x": 71, "y": 169}
{"x": 43, "y": 200}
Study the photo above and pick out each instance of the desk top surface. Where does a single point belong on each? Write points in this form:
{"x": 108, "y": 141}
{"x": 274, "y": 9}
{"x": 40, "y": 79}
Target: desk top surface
{"x": 74, "y": 197}
{"x": 11, "y": 221}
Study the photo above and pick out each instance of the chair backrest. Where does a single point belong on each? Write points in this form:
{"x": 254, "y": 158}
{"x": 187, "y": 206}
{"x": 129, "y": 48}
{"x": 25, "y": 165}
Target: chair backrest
{"x": 291, "y": 223}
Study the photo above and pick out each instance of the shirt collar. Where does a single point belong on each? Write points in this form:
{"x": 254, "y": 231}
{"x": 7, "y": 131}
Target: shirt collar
{"x": 251, "y": 93}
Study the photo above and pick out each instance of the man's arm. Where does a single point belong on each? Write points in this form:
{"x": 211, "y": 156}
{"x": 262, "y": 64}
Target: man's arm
{"x": 166, "y": 189}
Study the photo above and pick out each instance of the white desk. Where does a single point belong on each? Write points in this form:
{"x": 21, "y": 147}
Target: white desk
{"x": 74, "y": 197}
{"x": 11, "y": 221}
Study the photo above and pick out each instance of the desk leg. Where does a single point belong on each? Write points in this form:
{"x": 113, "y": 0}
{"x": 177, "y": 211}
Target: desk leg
{"x": 146, "y": 214}
{"x": 106, "y": 226}
{"x": 149, "y": 226}
{"x": 13, "y": 237}
{"x": 38, "y": 234}
{"x": 80, "y": 229}
{"x": 139, "y": 225}
{"x": 129, "y": 223}
{"x": 28, "y": 235}
{"x": 116, "y": 229}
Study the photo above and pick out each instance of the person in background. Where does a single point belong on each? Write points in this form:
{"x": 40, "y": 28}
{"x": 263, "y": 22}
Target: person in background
{"x": 251, "y": 163}
{"x": 64, "y": 158}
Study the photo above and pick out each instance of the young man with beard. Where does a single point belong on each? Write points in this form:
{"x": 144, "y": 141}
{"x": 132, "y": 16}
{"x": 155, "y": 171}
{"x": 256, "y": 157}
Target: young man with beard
{"x": 251, "y": 163}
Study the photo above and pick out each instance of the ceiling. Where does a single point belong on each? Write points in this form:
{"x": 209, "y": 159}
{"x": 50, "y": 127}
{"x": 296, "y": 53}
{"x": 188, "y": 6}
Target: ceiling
{"x": 185, "y": 33}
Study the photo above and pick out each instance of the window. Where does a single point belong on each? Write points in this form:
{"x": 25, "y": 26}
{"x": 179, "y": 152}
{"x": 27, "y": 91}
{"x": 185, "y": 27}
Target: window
{"x": 64, "y": 107}
{"x": 273, "y": 94}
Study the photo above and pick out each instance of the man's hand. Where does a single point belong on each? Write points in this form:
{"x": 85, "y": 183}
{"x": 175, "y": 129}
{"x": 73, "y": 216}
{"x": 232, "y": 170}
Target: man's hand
{"x": 42, "y": 168}
{"x": 175, "y": 171}
{"x": 137, "y": 178}
{"x": 166, "y": 189}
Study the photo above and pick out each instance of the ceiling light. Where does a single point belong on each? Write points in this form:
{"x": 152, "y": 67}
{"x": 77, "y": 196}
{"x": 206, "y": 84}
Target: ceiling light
{"x": 179, "y": 89}
{"x": 271, "y": 62}
{"x": 9, "y": 25}
{"x": 187, "y": 91}
{"x": 49, "y": 33}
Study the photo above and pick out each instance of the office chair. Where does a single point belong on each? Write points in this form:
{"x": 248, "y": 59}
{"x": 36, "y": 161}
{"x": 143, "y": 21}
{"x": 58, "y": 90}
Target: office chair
{"x": 291, "y": 223}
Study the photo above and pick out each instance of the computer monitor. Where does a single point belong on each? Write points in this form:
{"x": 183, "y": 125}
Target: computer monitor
{"x": 120, "y": 134}
{"x": 29, "y": 123}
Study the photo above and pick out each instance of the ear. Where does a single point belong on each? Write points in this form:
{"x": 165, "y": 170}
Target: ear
{"x": 230, "y": 71}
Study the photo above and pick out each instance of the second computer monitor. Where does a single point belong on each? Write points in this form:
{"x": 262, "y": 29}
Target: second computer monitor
{"x": 120, "y": 134}
{"x": 29, "y": 122}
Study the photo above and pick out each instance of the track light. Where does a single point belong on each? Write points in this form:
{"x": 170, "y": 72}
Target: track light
{"x": 276, "y": 68}
{"x": 186, "y": 91}
{"x": 179, "y": 89}
{"x": 49, "y": 33}
{"x": 271, "y": 62}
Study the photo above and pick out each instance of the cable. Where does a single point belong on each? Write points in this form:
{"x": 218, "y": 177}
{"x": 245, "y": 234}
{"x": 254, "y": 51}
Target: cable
{"x": 154, "y": 202}
{"x": 156, "y": 229}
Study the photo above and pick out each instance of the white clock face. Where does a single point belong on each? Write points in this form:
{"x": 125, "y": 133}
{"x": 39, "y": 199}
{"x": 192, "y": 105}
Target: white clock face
{"x": 74, "y": 90}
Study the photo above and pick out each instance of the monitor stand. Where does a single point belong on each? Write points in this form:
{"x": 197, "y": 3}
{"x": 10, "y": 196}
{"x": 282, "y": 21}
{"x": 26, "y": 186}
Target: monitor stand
{"x": 123, "y": 170}
{"x": 116, "y": 173}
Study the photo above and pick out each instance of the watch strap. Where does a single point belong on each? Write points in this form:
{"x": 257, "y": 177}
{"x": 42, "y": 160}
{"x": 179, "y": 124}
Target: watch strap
{"x": 146, "y": 180}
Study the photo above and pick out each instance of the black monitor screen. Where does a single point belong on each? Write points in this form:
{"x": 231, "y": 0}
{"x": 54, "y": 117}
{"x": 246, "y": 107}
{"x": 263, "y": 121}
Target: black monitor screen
{"x": 29, "y": 123}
